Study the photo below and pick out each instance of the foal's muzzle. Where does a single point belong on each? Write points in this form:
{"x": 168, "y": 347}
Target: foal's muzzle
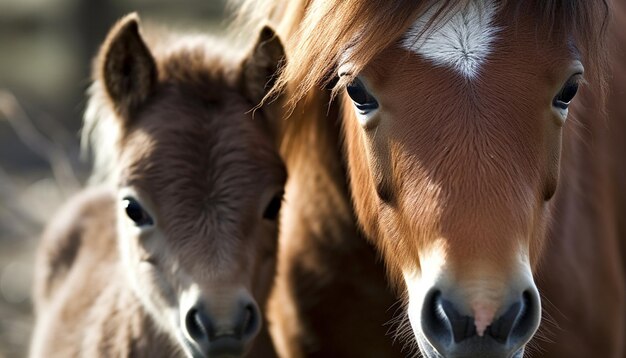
{"x": 206, "y": 335}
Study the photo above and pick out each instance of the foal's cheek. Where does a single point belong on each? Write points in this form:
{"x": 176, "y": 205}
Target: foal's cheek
{"x": 151, "y": 247}
{"x": 145, "y": 255}
{"x": 157, "y": 285}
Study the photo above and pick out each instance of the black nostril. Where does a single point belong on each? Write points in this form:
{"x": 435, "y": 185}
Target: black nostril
{"x": 452, "y": 332}
{"x": 527, "y": 319}
{"x": 500, "y": 329}
{"x": 517, "y": 323}
{"x": 250, "y": 321}
{"x": 463, "y": 327}
{"x": 435, "y": 324}
{"x": 198, "y": 325}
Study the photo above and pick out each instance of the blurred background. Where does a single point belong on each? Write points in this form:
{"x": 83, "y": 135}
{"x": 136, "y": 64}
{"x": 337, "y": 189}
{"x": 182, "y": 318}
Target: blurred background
{"x": 46, "y": 48}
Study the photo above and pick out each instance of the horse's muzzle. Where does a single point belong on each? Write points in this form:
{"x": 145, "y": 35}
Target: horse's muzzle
{"x": 208, "y": 339}
{"x": 455, "y": 334}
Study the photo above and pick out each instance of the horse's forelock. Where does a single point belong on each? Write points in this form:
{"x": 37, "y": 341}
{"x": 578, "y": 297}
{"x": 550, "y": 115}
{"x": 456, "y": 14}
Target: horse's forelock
{"x": 320, "y": 32}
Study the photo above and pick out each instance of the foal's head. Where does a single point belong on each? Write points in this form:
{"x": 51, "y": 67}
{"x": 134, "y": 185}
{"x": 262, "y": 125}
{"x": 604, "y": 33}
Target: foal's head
{"x": 200, "y": 182}
{"x": 453, "y": 118}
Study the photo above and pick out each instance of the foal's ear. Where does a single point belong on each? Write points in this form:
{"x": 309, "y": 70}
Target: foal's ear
{"x": 126, "y": 66}
{"x": 262, "y": 65}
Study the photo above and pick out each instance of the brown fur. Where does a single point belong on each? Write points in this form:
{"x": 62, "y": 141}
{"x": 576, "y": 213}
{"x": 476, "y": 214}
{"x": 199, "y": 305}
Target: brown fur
{"x": 203, "y": 168}
{"x": 78, "y": 263}
{"x": 465, "y": 169}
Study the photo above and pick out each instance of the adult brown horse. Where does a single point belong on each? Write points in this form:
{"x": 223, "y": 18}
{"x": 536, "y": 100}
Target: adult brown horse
{"x": 468, "y": 164}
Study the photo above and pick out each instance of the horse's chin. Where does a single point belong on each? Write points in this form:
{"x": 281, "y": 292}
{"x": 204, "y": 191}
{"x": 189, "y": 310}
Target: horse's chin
{"x": 428, "y": 351}
{"x": 221, "y": 348}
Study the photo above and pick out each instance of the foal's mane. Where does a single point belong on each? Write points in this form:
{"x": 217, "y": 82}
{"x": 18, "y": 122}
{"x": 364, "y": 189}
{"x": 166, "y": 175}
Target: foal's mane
{"x": 329, "y": 28}
{"x": 180, "y": 59}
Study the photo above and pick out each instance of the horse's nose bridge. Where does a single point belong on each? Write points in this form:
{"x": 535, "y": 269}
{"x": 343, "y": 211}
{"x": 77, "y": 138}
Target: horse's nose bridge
{"x": 487, "y": 217}
{"x": 485, "y": 187}
{"x": 473, "y": 211}
{"x": 485, "y": 298}
{"x": 488, "y": 277}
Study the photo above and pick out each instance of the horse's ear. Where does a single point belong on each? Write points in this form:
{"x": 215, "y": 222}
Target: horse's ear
{"x": 126, "y": 66}
{"x": 262, "y": 65}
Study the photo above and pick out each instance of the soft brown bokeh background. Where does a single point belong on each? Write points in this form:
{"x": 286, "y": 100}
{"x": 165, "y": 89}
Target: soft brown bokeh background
{"x": 46, "y": 47}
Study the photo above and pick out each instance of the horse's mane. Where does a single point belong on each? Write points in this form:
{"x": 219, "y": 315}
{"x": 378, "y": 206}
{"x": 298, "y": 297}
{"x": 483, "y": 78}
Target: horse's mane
{"x": 333, "y": 31}
{"x": 180, "y": 59}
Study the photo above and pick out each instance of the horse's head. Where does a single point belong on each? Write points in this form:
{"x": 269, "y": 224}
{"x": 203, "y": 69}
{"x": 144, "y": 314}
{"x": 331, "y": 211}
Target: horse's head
{"x": 200, "y": 183}
{"x": 453, "y": 146}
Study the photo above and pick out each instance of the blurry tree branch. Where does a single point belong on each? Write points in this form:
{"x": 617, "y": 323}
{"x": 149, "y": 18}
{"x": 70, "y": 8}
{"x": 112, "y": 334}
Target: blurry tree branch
{"x": 59, "y": 162}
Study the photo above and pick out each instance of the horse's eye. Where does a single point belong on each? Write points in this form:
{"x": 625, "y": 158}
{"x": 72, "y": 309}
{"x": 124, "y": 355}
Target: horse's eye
{"x": 362, "y": 99}
{"x": 567, "y": 93}
{"x": 136, "y": 213}
{"x": 273, "y": 207}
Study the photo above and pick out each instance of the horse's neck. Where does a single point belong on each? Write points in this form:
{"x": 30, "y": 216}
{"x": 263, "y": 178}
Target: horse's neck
{"x": 311, "y": 148}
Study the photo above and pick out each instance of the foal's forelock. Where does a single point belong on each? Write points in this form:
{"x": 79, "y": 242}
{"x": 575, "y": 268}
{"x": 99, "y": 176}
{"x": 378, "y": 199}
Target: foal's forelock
{"x": 187, "y": 59}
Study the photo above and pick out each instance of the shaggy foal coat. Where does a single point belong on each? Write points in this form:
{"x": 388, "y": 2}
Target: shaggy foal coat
{"x": 83, "y": 303}
{"x": 176, "y": 257}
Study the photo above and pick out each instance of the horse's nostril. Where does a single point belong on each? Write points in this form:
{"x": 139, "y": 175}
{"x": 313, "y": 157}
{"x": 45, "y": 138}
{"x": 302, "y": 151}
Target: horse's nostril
{"x": 463, "y": 327}
{"x": 528, "y": 317}
{"x": 221, "y": 335}
{"x": 198, "y": 325}
{"x": 443, "y": 325}
{"x": 501, "y": 328}
{"x": 435, "y": 323}
{"x": 517, "y": 323}
{"x": 250, "y": 320}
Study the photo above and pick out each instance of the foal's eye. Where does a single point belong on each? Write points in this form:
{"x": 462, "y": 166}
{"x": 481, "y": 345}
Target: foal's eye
{"x": 567, "y": 93}
{"x": 273, "y": 207}
{"x": 136, "y": 213}
{"x": 362, "y": 99}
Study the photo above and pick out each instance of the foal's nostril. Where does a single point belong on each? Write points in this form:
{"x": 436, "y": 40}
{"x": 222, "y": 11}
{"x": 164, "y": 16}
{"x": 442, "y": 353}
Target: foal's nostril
{"x": 198, "y": 326}
{"x": 250, "y": 321}
{"x": 222, "y": 335}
